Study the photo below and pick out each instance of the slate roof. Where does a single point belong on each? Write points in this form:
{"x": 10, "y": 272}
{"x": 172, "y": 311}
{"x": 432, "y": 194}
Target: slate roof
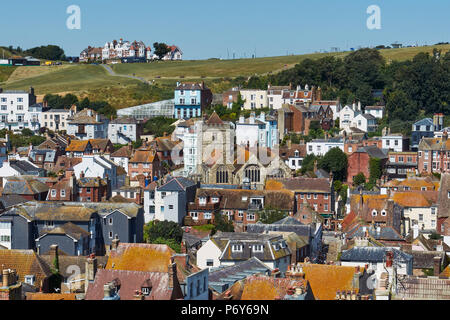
{"x": 69, "y": 229}
{"x": 424, "y": 259}
{"x": 124, "y": 152}
{"x": 220, "y": 279}
{"x": 66, "y": 263}
{"x": 83, "y": 117}
{"x": 130, "y": 281}
{"x": 10, "y": 200}
{"x": 301, "y": 229}
{"x": 52, "y": 211}
{"x": 373, "y": 255}
{"x": 386, "y": 233}
{"x": 190, "y": 86}
{"x": 177, "y": 184}
{"x": 25, "y": 168}
{"x": 124, "y": 120}
{"x": 272, "y": 246}
{"x": 423, "y": 122}
{"x": 24, "y": 186}
{"x": 373, "y": 152}
{"x": 49, "y": 155}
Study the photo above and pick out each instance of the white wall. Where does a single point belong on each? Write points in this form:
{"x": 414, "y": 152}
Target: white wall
{"x": 208, "y": 251}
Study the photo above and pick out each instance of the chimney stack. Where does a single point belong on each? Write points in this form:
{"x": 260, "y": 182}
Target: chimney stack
{"x": 115, "y": 244}
{"x": 172, "y": 271}
{"x": 91, "y": 267}
{"x": 437, "y": 266}
{"x": 107, "y": 291}
{"x": 389, "y": 258}
{"x": 5, "y": 278}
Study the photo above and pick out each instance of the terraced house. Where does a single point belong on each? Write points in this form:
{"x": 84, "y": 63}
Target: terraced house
{"x": 434, "y": 155}
{"x": 87, "y": 124}
{"x": 191, "y": 99}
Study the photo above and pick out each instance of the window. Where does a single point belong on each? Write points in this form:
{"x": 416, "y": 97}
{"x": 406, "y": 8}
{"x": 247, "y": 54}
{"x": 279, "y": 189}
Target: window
{"x": 302, "y": 196}
{"x": 240, "y": 213}
{"x": 258, "y": 248}
{"x": 207, "y": 215}
{"x": 325, "y": 207}
{"x": 325, "y": 196}
{"x": 88, "y": 190}
{"x": 433, "y": 223}
{"x": 420, "y": 217}
{"x": 374, "y": 213}
{"x": 5, "y": 238}
{"x": 29, "y": 279}
{"x": 145, "y": 291}
{"x": 53, "y": 193}
{"x": 194, "y": 215}
{"x": 209, "y": 262}
{"x": 63, "y": 192}
{"x": 309, "y": 196}
{"x": 383, "y": 213}
{"x": 202, "y": 200}
{"x": 315, "y": 195}
{"x": 162, "y": 208}
{"x": 110, "y": 235}
{"x": 315, "y": 207}
{"x": 110, "y": 221}
{"x": 236, "y": 248}
{"x": 170, "y": 206}
{"x": 49, "y": 224}
{"x": 433, "y": 210}
{"x": 214, "y": 199}
{"x": 250, "y": 216}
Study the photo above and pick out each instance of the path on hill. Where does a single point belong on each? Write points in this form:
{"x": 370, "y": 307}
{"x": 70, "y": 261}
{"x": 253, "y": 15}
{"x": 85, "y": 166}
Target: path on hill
{"x": 112, "y": 73}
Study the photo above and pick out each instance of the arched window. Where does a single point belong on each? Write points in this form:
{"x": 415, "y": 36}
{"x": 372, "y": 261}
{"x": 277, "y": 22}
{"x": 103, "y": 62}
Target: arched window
{"x": 222, "y": 175}
{"x": 253, "y": 173}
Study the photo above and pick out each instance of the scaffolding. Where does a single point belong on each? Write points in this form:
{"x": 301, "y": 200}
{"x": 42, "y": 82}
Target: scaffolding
{"x": 163, "y": 108}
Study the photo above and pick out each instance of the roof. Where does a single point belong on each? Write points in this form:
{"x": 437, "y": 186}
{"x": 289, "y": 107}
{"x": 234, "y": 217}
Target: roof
{"x": 373, "y": 254}
{"x": 130, "y": 281}
{"x": 124, "y": 120}
{"x": 49, "y": 155}
{"x": 373, "y": 152}
{"x": 91, "y": 182}
{"x": 423, "y": 122}
{"x": 258, "y": 287}
{"x": 147, "y": 257}
{"x": 416, "y": 199}
{"x": 444, "y": 200}
{"x": 25, "y": 167}
{"x": 434, "y": 144}
{"x": 78, "y": 146}
{"x": 214, "y": 119}
{"x": 83, "y": 117}
{"x": 191, "y": 86}
{"x": 51, "y": 296}
{"x": 416, "y": 288}
{"x": 10, "y": 200}
{"x": 66, "y": 263}
{"x": 326, "y": 280}
{"x": 24, "y": 186}
{"x": 25, "y": 262}
{"x": 52, "y": 211}
{"x": 143, "y": 156}
{"x": 320, "y": 185}
{"x": 177, "y": 184}
{"x": 424, "y": 259}
{"x": 124, "y": 152}
{"x": 286, "y": 153}
{"x": 69, "y": 229}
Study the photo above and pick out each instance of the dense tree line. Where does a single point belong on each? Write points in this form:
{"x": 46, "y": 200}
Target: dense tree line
{"x": 49, "y": 52}
{"x": 412, "y": 87}
{"x": 55, "y": 101}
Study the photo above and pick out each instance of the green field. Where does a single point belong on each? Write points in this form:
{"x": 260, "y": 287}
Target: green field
{"x": 93, "y": 80}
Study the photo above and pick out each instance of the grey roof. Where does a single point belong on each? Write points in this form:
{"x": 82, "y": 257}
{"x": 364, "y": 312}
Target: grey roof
{"x": 368, "y": 116}
{"x": 219, "y": 186}
{"x": 415, "y": 288}
{"x": 25, "y": 168}
{"x": 373, "y": 254}
{"x": 191, "y": 239}
{"x": 288, "y": 221}
{"x": 424, "y": 122}
{"x": 177, "y": 184}
{"x": 222, "y": 278}
{"x": 24, "y": 187}
{"x": 10, "y": 200}
{"x": 49, "y": 155}
{"x": 373, "y": 151}
{"x": 424, "y": 259}
{"x": 301, "y": 229}
{"x": 386, "y": 233}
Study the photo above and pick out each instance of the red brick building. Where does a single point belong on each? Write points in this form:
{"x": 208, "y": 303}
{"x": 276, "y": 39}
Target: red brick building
{"x": 434, "y": 155}
{"x": 359, "y": 161}
{"x": 92, "y": 189}
{"x": 145, "y": 162}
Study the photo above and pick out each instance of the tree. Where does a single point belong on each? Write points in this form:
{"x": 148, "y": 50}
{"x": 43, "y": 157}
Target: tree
{"x": 308, "y": 163}
{"x": 162, "y": 229}
{"x": 335, "y": 161}
{"x": 271, "y": 215}
{"x": 159, "y": 125}
{"x": 176, "y": 246}
{"x": 160, "y": 49}
{"x": 359, "y": 179}
{"x": 375, "y": 170}
{"x": 222, "y": 224}
{"x": 27, "y": 132}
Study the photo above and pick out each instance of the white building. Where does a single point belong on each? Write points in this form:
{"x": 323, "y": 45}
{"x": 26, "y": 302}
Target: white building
{"x": 298, "y": 95}
{"x": 175, "y": 53}
{"x": 394, "y": 142}
{"x": 192, "y": 151}
{"x": 347, "y": 114}
{"x": 149, "y": 203}
{"x": 365, "y": 122}
{"x": 98, "y": 166}
{"x": 56, "y": 119}
{"x": 123, "y": 130}
{"x": 257, "y": 130}
{"x": 275, "y": 95}
{"x": 18, "y": 110}
{"x": 254, "y": 98}
{"x": 376, "y": 111}
{"x": 320, "y": 147}
{"x": 125, "y": 49}
{"x": 87, "y": 124}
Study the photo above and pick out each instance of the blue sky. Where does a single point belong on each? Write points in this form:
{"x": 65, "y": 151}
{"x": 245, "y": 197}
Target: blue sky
{"x": 206, "y": 29}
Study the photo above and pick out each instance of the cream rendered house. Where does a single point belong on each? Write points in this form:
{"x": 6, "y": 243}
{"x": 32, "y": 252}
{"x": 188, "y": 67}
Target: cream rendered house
{"x": 254, "y": 99}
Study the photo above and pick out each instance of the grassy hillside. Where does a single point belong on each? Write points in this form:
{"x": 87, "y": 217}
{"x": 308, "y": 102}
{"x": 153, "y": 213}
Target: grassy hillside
{"x": 93, "y": 81}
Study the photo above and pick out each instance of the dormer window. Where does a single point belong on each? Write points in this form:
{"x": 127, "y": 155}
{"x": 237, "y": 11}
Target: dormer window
{"x": 214, "y": 199}
{"x": 236, "y": 248}
{"x": 244, "y": 198}
{"x": 283, "y": 244}
{"x": 383, "y": 213}
{"x": 202, "y": 200}
{"x": 296, "y": 153}
{"x": 146, "y": 290}
{"x": 374, "y": 213}
{"x": 258, "y": 248}
{"x": 29, "y": 279}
